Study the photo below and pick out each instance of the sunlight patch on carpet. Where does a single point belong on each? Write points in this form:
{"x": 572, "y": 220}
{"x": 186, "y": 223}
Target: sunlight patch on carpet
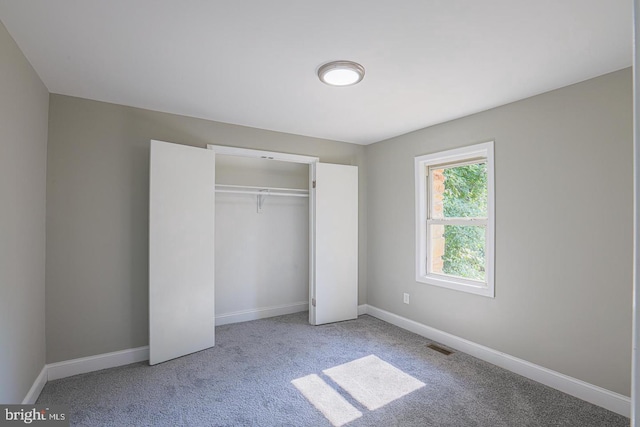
{"x": 328, "y": 401}
{"x": 372, "y": 381}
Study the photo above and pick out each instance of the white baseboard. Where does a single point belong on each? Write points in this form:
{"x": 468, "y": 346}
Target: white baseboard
{"x": 597, "y": 395}
{"x": 362, "y": 309}
{"x": 261, "y": 313}
{"x": 96, "y": 363}
{"x": 36, "y": 388}
{"x": 67, "y": 368}
{"x": 582, "y": 390}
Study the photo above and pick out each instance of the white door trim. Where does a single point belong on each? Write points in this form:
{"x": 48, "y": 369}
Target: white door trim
{"x": 259, "y": 154}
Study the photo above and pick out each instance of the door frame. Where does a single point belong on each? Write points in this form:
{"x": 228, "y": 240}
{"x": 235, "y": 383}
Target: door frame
{"x": 260, "y": 154}
{"x": 635, "y": 359}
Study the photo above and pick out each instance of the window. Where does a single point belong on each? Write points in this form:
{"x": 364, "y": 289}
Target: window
{"x": 455, "y": 219}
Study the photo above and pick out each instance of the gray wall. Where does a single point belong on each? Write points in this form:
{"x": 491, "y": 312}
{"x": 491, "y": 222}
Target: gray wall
{"x": 97, "y": 214}
{"x": 563, "y": 231}
{"x": 24, "y": 103}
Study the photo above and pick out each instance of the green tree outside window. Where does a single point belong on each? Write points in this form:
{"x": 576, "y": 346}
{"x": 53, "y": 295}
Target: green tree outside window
{"x": 465, "y": 196}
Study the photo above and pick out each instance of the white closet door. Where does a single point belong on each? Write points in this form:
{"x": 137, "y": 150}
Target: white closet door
{"x": 334, "y": 265}
{"x": 181, "y": 248}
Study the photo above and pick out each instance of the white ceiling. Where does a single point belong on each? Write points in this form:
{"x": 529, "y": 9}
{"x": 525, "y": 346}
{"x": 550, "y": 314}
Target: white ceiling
{"x": 254, "y": 62}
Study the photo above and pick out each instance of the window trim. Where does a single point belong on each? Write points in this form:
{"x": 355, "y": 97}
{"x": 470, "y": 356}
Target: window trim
{"x": 422, "y": 200}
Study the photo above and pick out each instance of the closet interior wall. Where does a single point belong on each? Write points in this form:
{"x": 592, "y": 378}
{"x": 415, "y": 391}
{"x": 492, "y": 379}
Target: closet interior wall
{"x": 261, "y": 258}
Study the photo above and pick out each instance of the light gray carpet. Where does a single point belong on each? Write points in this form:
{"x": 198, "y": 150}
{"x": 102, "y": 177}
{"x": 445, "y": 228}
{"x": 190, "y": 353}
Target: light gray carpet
{"x": 246, "y": 381}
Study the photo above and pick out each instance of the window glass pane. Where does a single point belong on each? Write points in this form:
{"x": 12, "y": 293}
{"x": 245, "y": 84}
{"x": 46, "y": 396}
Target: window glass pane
{"x": 458, "y": 250}
{"x": 459, "y": 191}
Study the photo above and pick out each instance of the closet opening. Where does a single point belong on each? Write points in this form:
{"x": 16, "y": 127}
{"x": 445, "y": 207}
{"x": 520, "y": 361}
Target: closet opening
{"x": 261, "y": 237}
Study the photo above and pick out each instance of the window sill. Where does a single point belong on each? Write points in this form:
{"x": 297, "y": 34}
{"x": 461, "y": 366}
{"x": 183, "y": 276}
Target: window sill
{"x": 462, "y": 285}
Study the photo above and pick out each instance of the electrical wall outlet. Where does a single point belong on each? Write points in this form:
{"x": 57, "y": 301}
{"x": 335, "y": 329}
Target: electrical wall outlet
{"x": 406, "y": 298}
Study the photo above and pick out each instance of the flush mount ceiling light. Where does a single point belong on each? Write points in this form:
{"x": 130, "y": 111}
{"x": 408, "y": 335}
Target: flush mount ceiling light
{"x": 341, "y": 73}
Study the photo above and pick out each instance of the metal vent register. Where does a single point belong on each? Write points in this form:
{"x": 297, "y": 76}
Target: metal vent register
{"x": 439, "y": 349}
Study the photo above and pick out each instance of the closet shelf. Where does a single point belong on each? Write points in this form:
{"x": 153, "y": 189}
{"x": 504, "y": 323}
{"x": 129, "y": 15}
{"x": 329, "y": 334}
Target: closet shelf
{"x": 261, "y": 191}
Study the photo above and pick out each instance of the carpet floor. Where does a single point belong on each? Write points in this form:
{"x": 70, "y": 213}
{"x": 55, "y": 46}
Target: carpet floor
{"x": 270, "y": 372}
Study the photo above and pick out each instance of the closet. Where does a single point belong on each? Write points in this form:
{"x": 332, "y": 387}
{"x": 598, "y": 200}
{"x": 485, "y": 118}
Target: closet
{"x": 283, "y": 238}
{"x": 261, "y": 238}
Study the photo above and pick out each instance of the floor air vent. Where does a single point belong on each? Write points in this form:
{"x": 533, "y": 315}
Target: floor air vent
{"x": 439, "y": 349}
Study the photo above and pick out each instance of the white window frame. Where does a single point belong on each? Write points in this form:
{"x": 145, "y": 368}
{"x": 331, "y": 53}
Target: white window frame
{"x": 447, "y": 158}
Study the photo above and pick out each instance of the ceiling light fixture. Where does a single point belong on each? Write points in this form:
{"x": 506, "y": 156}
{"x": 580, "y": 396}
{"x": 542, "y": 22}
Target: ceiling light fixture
{"x": 341, "y": 73}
